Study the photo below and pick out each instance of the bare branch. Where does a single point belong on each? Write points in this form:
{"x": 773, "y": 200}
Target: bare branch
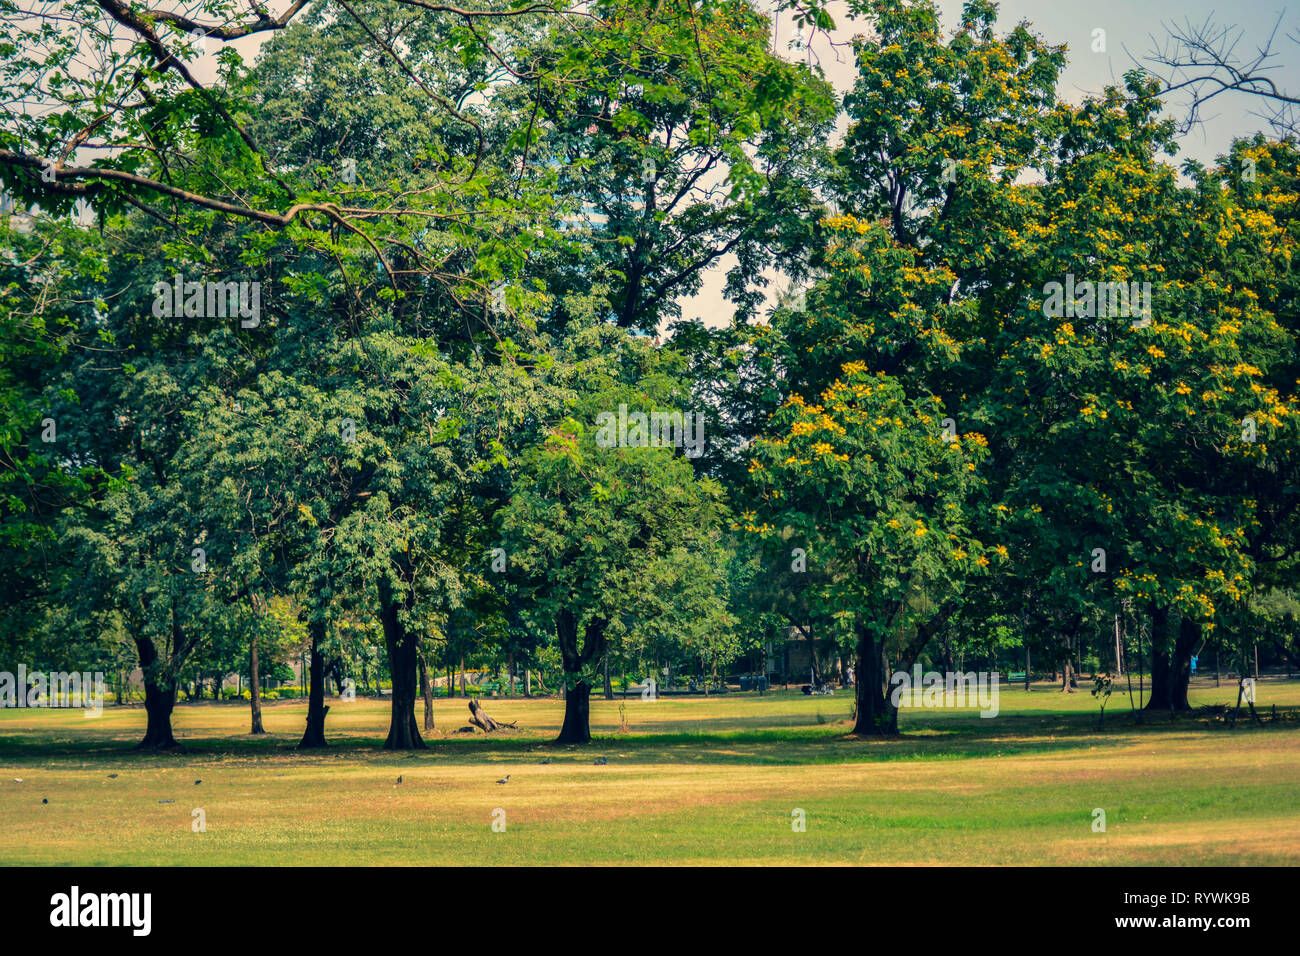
{"x": 1209, "y": 60}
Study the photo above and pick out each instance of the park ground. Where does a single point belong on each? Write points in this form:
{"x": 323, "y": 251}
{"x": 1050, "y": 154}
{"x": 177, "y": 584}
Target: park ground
{"x": 689, "y": 781}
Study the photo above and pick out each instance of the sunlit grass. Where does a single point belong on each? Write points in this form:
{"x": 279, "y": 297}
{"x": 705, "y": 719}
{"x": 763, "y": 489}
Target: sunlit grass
{"x": 691, "y": 781}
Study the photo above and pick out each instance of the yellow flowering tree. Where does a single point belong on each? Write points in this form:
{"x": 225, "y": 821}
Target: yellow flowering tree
{"x": 880, "y": 492}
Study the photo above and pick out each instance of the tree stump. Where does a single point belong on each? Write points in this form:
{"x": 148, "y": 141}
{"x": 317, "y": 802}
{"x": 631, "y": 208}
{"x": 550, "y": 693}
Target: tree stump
{"x": 479, "y": 718}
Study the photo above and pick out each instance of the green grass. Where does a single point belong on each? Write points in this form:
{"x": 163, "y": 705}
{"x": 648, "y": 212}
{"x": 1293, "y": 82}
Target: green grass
{"x": 692, "y": 781}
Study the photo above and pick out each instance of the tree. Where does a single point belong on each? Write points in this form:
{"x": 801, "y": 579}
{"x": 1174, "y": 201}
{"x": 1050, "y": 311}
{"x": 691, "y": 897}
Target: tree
{"x": 869, "y": 479}
{"x": 592, "y": 519}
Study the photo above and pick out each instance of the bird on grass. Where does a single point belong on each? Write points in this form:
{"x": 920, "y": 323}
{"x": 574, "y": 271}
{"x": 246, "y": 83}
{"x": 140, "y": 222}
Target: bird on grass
{"x": 505, "y": 779}
{"x": 602, "y": 760}
{"x": 547, "y": 760}
{"x": 112, "y": 776}
{"x": 197, "y": 782}
{"x": 18, "y": 779}
{"x": 45, "y": 800}
{"x": 399, "y": 780}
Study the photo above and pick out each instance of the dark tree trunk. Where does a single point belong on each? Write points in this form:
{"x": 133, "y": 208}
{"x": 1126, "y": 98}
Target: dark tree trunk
{"x": 877, "y": 716}
{"x": 577, "y": 692}
{"x": 159, "y": 699}
{"x": 577, "y": 715}
{"x": 1171, "y": 662}
{"x": 403, "y": 734}
{"x": 426, "y": 691}
{"x": 609, "y": 688}
{"x": 314, "y": 735}
{"x": 255, "y": 687}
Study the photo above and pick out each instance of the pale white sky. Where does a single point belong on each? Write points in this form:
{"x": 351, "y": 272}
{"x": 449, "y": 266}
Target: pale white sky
{"x": 1133, "y": 29}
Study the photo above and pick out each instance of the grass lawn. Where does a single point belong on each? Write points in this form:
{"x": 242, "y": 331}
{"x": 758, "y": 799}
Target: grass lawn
{"x": 691, "y": 781}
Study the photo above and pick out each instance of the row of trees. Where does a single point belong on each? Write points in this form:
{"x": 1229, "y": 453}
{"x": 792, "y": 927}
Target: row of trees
{"x": 462, "y": 234}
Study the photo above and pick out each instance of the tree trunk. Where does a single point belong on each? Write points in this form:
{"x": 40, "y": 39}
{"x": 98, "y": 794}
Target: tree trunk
{"x": 426, "y": 691}
{"x": 159, "y": 699}
{"x": 255, "y": 688}
{"x": 609, "y": 688}
{"x": 528, "y": 682}
{"x": 1119, "y": 664}
{"x": 314, "y": 735}
{"x": 1171, "y": 662}
{"x": 577, "y": 692}
{"x": 1067, "y": 675}
{"x": 577, "y": 715}
{"x": 877, "y": 715}
{"x": 403, "y": 734}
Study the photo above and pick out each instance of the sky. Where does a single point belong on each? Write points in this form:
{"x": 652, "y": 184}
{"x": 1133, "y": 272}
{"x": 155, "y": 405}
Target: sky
{"x": 1132, "y": 30}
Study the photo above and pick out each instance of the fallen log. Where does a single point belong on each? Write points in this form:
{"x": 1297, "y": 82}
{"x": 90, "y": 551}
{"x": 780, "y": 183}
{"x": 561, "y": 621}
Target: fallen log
{"x": 479, "y": 718}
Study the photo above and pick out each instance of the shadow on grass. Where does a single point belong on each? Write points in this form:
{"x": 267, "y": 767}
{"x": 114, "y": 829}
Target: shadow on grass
{"x": 932, "y": 736}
